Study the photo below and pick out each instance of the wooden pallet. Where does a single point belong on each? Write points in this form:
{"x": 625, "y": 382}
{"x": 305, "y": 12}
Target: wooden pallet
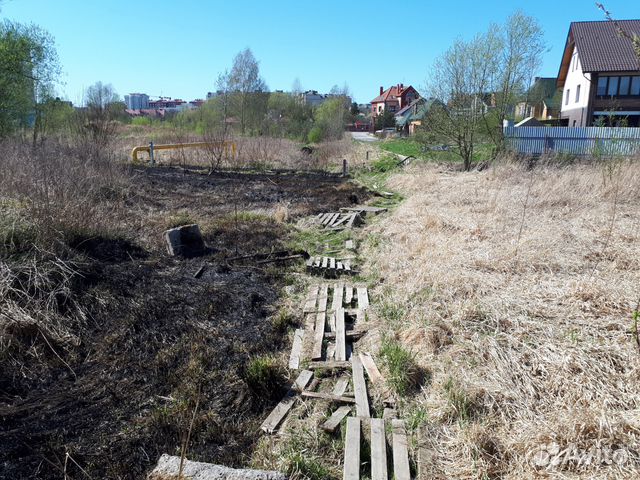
{"x": 329, "y": 266}
{"x": 339, "y": 220}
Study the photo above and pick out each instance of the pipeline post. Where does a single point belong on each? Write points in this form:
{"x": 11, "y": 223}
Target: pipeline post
{"x": 367, "y": 155}
{"x": 151, "y": 154}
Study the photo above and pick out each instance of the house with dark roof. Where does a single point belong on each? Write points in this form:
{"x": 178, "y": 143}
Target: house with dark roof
{"x": 410, "y": 117}
{"x": 542, "y": 100}
{"x": 600, "y": 75}
{"x": 393, "y": 99}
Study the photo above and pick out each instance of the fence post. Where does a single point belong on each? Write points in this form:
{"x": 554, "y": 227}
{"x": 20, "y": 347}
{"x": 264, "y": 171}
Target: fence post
{"x": 153, "y": 162}
{"x": 345, "y": 169}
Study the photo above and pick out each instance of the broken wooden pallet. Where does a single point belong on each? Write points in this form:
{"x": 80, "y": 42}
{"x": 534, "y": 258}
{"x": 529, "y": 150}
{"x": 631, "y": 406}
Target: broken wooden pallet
{"x": 329, "y": 266}
{"x": 339, "y": 220}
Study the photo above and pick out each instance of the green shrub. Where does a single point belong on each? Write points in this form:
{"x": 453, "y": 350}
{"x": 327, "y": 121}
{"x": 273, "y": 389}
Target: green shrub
{"x": 316, "y": 135}
{"x": 282, "y": 320}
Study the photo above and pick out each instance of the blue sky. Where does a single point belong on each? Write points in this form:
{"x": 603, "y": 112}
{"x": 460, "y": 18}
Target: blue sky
{"x": 177, "y": 48}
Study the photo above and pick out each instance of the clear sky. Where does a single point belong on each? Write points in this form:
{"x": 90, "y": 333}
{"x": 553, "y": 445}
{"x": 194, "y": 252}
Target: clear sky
{"x": 177, "y": 48}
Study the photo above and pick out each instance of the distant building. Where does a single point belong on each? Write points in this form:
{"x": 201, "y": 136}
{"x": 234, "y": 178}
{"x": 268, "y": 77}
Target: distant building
{"x": 542, "y": 101}
{"x": 137, "y": 101}
{"x": 312, "y": 98}
{"x": 394, "y": 99}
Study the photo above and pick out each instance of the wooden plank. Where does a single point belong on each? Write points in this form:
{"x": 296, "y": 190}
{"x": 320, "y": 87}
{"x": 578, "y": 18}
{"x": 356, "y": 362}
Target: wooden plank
{"x": 327, "y": 218}
{"x": 378, "y": 450}
{"x": 348, "y": 294}
{"x": 350, "y": 245}
{"x": 349, "y": 334}
{"x": 332, "y": 263}
{"x": 389, "y": 413}
{"x": 329, "y": 365}
{"x": 359, "y": 387}
{"x": 341, "y": 386}
{"x": 310, "y": 304}
{"x": 333, "y": 422}
{"x": 296, "y": 349}
{"x": 330, "y": 352}
{"x": 341, "y": 341}
{"x": 363, "y": 298}
{"x": 325, "y": 262}
{"x": 338, "y": 295}
{"x": 372, "y": 370}
{"x": 318, "y": 336}
{"x": 347, "y": 265}
{"x": 323, "y": 297}
{"x": 400, "y": 451}
{"x": 307, "y": 343}
{"x": 332, "y": 322}
{"x": 339, "y": 219}
{"x": 352, "y": 220}
{"x": 352, "y": 450}
{"x": 361, "y": 316}
{"x": 328, "y": 396}
{"x": 276, "y": 416}
{"x": 339, "y": 266}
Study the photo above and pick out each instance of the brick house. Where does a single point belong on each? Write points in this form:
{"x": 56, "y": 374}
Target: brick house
{"x": 393, "y": 98}
{"x": 600, "y": 75}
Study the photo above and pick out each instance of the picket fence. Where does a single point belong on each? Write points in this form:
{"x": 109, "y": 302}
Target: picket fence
{"x": 591, "y": 141}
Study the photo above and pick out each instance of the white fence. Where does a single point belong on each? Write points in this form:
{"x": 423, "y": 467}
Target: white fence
{"x": 575, "y": 141}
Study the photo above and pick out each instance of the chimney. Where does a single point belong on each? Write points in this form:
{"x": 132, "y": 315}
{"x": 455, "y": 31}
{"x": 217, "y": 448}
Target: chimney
{"x": 381, "y": 90}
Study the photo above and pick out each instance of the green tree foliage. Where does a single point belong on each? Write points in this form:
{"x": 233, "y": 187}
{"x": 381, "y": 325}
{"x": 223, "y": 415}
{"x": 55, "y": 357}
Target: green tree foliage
{"x": 28, "y": 71}
{"x": 386, "y": 119}
{"x": 329, "y": 120}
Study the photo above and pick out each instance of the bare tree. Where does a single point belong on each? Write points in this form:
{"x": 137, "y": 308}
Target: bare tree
{"x": 216, "y": 132}
{"x": 95, "y": 123}
{"x": 459, "y": 78}
{"x": 245, "y": 82}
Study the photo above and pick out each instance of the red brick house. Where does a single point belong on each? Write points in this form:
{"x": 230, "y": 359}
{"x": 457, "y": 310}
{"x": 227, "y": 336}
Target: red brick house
{"x": 394, "y": 98}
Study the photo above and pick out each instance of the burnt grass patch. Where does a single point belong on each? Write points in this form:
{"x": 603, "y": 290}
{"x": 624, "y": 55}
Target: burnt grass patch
{"x": 157, "y": 342}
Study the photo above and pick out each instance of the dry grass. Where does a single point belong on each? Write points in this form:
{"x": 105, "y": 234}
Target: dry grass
{"x": 519, "y": 289}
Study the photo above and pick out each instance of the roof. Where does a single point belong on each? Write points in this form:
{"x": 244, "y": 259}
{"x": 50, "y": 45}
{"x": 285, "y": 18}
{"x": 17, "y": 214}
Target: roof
{"x": 601, "y": 47}
{"x": 391, "y": 93}
{"x": 416, "y": 110}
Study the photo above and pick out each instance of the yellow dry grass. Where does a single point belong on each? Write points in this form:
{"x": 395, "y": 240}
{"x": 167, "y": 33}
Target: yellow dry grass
{"x": 519, "y": 289}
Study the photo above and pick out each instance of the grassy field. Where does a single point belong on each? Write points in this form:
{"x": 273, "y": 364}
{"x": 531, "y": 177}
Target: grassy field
{"x": 515, "y": 291}
{"x": 410, "y": 146}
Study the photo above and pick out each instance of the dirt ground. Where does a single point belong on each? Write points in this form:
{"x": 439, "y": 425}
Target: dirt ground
{"x": 156, "y": 341}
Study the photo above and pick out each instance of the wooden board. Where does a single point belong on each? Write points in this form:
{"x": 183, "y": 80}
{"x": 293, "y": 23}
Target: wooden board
{"x": 341, "y": 341}
{"x": 350, "y": 245}
{"x": 310, "y": 304}
{"x": 323, "y": 296}
{"x": 361, "y": 316}
{"x": 307, "y": 341}
{"x": 341, "y": 386}
{"x": 348, "y": 294}
{"x": 296, "y": 349}
{"x": 400, "y": 451}
{"x": 359, "y": 387}
{"x": 332, "y": 322}
{"x": 330, "y": 365}
{"x": 378, "y": 450}
{"x": 352, "y": 450}
{"x": 328, "y": 396}
{"x": 350, "y": 334}
{"x": 389, "y": 413}
{"x": 330, "y": 353}
{"x": 338, "y": 293}
{"x": 276, "y": 416}
{"x": 333, "y": 422}
{"x": 372, "y": 370}
{"x": 318, "y": 336}
{"x": 363, "y": 298}
{"x": 332, "y": 262}
{"x": 325, "y": 262}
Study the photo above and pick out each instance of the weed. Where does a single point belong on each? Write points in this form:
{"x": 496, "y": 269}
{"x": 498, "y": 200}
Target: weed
{"x": 299, "y": 466}
{"x": 460, "y": 401}
{"x": 403, "y": 373}
{"x": 393, "y": 313}
{"x": 282, "y": 320}
{"x": 179, "y": 219}
{"x": 416, "y": 417}
{"x": 385, "y": 164}
{"x": 264, "y": 375}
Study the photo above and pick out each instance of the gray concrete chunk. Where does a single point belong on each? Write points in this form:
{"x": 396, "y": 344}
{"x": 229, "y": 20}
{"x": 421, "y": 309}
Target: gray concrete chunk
{"x": 168, "y": 467}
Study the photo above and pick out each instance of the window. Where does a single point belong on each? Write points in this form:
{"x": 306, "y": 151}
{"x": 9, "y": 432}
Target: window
{"x": 578, "y": 94}
{"x": 602, "y": 86}
{"x": 624, "y": 86}
{"x": 613, "y": 86}
{"x": 566, "y": 97}
{"x": 635, "y": 86}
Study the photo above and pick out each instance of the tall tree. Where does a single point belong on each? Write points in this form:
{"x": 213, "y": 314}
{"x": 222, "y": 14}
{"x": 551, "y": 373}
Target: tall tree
{"x": 246, "y": 84}
{"x": 28, "y": 71}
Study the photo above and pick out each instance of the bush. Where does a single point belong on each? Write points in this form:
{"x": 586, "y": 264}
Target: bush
{"x": 316, "y": 135}
{"x": 385, "y": 164}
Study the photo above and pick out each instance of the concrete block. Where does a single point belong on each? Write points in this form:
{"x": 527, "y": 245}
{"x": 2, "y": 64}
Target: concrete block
{"x": 168, "y": 467}
{"x": 185, "y": 241}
